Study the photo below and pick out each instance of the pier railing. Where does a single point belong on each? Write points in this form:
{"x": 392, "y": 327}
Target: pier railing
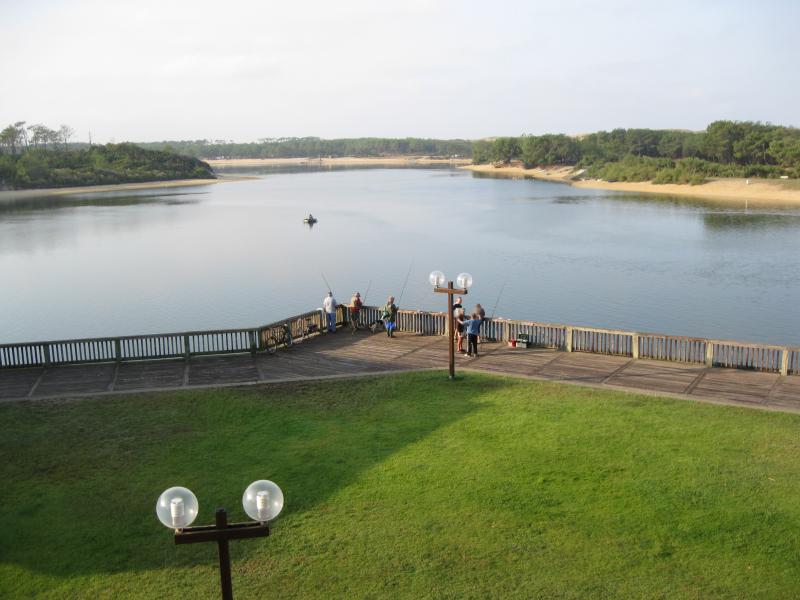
{"x": 711, "y": 353}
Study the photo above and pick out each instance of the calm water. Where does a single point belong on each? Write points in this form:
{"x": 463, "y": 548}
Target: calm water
{"x": 237, "y": 254}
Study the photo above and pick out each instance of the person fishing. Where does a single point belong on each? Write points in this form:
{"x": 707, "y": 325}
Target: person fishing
{"x": 482, "y": 316}
{"x": 355, "y": 310}
{"x": 329, "y": 305}
{"x": 389, "y": 315}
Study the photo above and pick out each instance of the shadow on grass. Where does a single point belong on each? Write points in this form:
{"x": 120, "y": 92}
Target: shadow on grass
{"x": 81, "y": 478}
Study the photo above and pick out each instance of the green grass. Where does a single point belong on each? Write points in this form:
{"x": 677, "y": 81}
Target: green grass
{"x": 407, "y": 486}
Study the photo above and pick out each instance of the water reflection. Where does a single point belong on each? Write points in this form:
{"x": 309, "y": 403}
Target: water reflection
{"x": 16, "y": 206}
{"x": 751, "y": 221}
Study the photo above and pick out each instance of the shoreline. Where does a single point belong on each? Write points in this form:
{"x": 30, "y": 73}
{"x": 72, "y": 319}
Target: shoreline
{"x": 352, "y": 161}
{"x": 723, "y": 190}
{"x": 13, "y": 195}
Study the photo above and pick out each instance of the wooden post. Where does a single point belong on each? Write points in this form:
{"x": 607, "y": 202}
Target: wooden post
{"x": 221, "y": 533}
{"x": 568, "y": 339}
{"x": 186, "y": 353}
{"x": 47, "y": 358}
{"x": 709, "y": 354}
{"x": 451, "y": 328}
{"x": 224, "y": 556}
{"x": 785, "y": 362}
{"x": 635, "y": 345}
{"x": 117, "y": 350}
{"x": 450, "y": 290}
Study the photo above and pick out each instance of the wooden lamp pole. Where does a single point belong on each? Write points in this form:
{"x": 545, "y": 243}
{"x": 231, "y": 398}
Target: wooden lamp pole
{"x": 451, "y": 291}
{"x": 222, "y": 532}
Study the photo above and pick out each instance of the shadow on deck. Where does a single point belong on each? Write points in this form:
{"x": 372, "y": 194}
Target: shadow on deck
{"x": 346, "y": 355}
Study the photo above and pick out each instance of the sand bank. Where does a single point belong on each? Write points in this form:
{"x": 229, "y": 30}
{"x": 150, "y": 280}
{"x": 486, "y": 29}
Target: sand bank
{"x": 757, "y": 191}
{"x": 347, "y": 161}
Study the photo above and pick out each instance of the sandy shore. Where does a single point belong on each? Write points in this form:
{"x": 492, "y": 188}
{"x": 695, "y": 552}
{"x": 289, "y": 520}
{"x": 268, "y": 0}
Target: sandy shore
{"x": 349, "y": 161}
{"x": 774, "y": 192}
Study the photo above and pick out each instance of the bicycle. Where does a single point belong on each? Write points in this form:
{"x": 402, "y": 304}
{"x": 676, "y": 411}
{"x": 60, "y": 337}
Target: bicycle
{"x": 281, "y": 337}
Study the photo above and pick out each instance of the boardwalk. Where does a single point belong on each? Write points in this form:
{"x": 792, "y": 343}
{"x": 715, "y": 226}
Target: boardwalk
{"x": 344, "y": 355}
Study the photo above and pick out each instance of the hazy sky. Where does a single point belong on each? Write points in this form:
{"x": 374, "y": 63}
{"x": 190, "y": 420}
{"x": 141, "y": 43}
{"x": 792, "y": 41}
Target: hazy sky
{"x": 234, "y": 69}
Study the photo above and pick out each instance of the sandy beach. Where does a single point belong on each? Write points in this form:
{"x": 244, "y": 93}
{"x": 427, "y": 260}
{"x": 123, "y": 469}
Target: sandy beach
{"x": 345, "y": 161}
{"x": 773, "y": 192}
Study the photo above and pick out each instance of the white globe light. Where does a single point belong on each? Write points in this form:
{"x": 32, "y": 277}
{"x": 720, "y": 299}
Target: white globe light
{"x": 262, "y": 500}
{"x": 177, "y": 507}
{"x": 464, "y": 280}
{"x": 436, "y": 278}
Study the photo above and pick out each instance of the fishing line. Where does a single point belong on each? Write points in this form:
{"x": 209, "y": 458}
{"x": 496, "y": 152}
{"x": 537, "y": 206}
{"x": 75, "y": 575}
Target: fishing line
{"x": 411, "y": 266}
{"x": 500, "y": 293}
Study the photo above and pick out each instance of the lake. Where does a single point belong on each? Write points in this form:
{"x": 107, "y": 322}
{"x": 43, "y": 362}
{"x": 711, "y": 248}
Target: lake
{"x": 237, "y": 254}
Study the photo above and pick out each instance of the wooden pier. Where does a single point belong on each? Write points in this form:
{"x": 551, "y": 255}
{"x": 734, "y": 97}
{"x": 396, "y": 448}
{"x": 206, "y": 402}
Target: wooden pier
{"x": 754, "y": 375}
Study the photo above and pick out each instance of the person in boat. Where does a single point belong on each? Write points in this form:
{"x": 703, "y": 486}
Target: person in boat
{"x": 310, "y": 218}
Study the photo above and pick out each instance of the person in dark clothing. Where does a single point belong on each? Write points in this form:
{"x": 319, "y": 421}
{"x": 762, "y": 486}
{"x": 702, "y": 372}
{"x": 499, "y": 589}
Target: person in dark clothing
{"x": 482, "y": 316}
{"x": 459, "y": 321}
{"x": 389, "y": 314}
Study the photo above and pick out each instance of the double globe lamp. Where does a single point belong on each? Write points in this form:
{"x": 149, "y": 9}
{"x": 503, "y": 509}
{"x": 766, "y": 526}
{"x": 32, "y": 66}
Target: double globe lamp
{"x": 177, "y": 509}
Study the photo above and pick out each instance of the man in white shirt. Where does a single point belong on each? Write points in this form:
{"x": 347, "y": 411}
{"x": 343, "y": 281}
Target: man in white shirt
{"x": 329, "y": 308}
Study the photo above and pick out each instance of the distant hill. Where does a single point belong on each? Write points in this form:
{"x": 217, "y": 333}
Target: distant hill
{"x": 314, "y": 146}
{"x": 95, "y": 165}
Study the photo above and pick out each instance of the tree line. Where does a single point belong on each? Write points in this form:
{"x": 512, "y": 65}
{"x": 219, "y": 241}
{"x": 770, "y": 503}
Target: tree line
{"x": 302, "y": 147}
{"x": 724, "y": 149}
{"x": 37, "y": 156}
{"x": 20, "y": 136}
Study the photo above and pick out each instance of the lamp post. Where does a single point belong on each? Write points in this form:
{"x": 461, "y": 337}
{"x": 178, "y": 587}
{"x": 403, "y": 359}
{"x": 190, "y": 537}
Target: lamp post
{"x": 464, "y": 282}
{"x": 177, "y": 508}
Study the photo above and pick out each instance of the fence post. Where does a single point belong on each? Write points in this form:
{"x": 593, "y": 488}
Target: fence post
{"x": 785, "y": 362}
{"x": 635, "y": 345}
{"x": 186, "y": 353}
{"x": 117, "y": 350}
{"x": 568, "y": 339}
{"x": 709, "y": 354}
{"x": 47, "y": 360}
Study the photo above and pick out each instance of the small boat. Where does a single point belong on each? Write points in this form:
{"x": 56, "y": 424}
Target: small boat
{"x": 310, "y": 220}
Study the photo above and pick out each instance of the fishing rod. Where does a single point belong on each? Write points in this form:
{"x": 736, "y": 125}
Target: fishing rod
{"x": 369, "y": 285}
{"x": 330, "y": 289}
{"x": 411, "y": 266}
{"x": 502, "y": 287}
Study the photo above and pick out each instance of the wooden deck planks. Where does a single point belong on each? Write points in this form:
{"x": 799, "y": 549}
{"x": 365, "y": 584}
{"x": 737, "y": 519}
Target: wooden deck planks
{"x": 786, "y": 393}
{"x": 236, "y": 368}
{"x": 583, "y": 367}
{"x": 17, "y": 383}
{"x": 150, "y": 374}
{"x": 76, "y": 379}
{"x": 739, "y": 386}
{"x": 660, "y": 376}
{"x": 344, "y": 354}
{"x": 499, "y": 358}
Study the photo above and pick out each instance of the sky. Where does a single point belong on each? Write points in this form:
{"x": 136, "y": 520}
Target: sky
{"x": 244, "y": 70}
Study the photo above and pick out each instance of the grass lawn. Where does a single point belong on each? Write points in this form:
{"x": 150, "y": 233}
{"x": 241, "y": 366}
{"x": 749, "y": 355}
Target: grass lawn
{"x": 407, "y": 486}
